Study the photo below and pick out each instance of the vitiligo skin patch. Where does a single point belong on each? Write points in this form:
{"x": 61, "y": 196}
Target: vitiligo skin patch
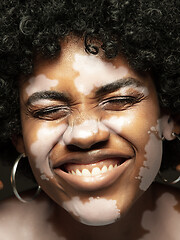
{"x": 117, "y": 124}
{"x": 91, "y": 212}
{"x": 90, "y": 66}
{"x": 153, "y": 158}
{"x": 84, "y": 130}
{"x": 27, "y": 221}
{"x": 143, "y": 90}
{"x": 46, "y": 137}
{"x": 40, "y": 83}
{"x": 167, "y": 217}
{"x": 152, "y": 163}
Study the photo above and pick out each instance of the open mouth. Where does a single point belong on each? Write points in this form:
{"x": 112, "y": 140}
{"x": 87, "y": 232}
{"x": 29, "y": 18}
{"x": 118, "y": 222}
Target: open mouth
{"x": 92, "y": 169}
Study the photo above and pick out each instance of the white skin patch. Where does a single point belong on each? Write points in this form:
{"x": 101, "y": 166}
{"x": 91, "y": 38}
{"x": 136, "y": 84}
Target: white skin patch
{"x": 164, "y": 222}
{"x": 143, "y": 90}
{"x": 27, "y": 221}
{"x": 152, "y": 164}
{"x": 90, "y": 213}
{"x": 153, "y": 158}
{"x": 46, "y": 138}
{"x": 84, "y": 130}
{"x": 116, "y": 124}
{"x": 40, "y": 83}
{"x": 93, "y": 72}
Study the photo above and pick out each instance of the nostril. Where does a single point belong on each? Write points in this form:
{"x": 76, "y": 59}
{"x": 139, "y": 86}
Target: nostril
{"x": 95, "y": 146}
{"x": 99, "y": 145}
{"x": 74, "y": 148}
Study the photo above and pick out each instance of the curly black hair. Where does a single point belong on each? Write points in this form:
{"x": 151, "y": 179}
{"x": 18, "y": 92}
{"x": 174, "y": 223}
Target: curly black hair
{"x": 146, "y": 33}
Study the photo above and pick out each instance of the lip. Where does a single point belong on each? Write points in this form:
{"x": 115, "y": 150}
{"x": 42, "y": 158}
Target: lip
{"x": 91, "y": 157}
{"x": 92, "y": 183}
{"x": 96, "y": 182}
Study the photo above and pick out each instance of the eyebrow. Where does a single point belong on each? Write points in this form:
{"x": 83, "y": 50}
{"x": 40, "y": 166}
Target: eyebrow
{"x": 50, "y": 95}
{"x": 114, "y": 86}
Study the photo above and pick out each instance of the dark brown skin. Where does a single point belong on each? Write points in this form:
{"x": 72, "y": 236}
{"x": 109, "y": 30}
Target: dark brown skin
{"x": 1, "y": 185}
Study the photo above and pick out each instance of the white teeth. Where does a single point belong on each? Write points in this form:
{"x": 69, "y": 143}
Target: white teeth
{"x": 110, "y": 167}
{"x": 86, "y": 173}
{"x": 96, "y": 171}
{"x": 78, "y": 172}
{"x": 104, "y": 169}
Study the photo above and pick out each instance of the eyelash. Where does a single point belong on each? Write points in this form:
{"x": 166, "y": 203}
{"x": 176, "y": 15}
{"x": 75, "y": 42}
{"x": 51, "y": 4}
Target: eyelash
{"x": 51, "y": 113}
{"x": 110, "y": 104}
{"x": 119, "y": 103}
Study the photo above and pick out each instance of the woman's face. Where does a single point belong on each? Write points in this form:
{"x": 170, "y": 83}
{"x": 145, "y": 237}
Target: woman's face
{"x": 92, "y": 132}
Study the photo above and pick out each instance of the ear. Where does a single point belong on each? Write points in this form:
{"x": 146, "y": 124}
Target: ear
{"x": 170, "y": 125}
{"x": 18, "y": 142}
{"x": 176, "y": 120}
{"x": 1, "y": 185}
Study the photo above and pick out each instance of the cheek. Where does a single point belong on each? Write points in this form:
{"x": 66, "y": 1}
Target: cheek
{"x": 131, "y": 126}
{"x": 151, "y": 165}
{"x": 135, "y": 122}
{"x": 117, "y": 124}
{"x": 145, "y": 138}
{"x": 46, "y": 138}
{"x": 153, "y": 156}
{"x": 91, "y": 212}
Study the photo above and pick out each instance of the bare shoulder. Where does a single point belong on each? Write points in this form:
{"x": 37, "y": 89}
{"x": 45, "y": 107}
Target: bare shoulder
{"x": 169, "y": 190}
{"x": 12, "y": 208}
{"x": 163, "y": 218}
{"x": 26, "y": 220}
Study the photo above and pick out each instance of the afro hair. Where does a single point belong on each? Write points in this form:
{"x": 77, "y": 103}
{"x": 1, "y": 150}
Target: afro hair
{"x": 146, "y": 33}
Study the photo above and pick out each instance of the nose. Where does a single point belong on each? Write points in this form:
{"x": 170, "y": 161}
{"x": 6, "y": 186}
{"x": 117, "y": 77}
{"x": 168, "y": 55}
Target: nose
{"x": 86, "y": 134}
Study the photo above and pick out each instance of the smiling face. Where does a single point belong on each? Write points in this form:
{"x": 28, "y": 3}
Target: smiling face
{"x": 92, "y": 132}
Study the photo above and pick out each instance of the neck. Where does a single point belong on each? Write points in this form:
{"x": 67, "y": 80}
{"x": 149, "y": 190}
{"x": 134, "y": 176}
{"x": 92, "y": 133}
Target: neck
{"x": 128, "y": 227}
{"x": 155, "y": 207}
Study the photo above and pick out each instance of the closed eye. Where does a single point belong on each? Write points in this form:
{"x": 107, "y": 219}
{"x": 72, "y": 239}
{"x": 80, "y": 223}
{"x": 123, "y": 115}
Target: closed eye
{"x": 50, "y": 113}
{"x": 119, "y": 103}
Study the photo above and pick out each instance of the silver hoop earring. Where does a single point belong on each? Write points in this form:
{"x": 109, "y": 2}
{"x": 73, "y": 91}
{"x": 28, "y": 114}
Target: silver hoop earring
{"x": 167, "y": 181}
{"x": 160, "y": 174}
{"x": 13, "y": 182}
{"x": 176, "y": 135}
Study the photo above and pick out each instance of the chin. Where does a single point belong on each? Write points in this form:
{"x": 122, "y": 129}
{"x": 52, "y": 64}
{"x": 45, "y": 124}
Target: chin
{"x": 94, "y": 212}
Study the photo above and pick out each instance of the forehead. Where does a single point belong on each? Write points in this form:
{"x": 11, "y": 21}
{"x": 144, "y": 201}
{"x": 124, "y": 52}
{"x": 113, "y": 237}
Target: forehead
{"x": 74, "y": 68}
{"x": 74, "y": 57}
